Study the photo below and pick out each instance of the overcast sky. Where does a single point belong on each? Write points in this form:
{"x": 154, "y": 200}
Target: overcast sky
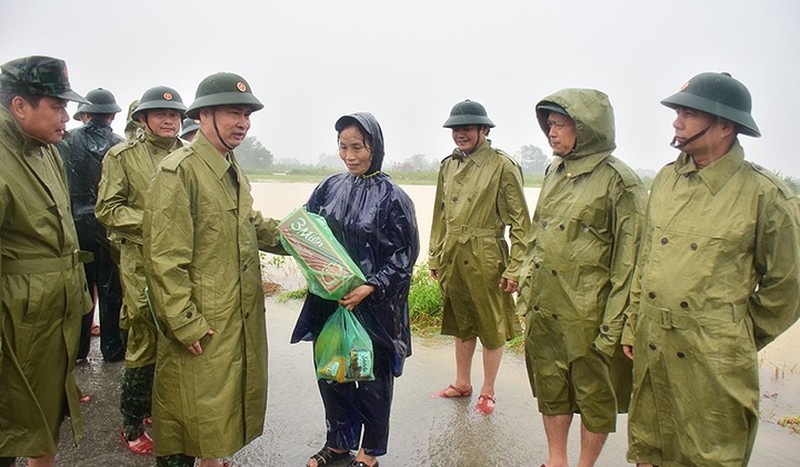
{"x": 409, "y": 61}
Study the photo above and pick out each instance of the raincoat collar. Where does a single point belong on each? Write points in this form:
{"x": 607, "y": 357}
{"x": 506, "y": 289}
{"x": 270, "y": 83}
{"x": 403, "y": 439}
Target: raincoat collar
{"x": 11, "y": 127}
{"x": 479, "y": 156}
{"x": 716, "y": 175}
{"x": 582, "y": 165}
{"x": 206, "y": 151}
{"x": 159, "y": 141}
{"x": 593, "y": 115}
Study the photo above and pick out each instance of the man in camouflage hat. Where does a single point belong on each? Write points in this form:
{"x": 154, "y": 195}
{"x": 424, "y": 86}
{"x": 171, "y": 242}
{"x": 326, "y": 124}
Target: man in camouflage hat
{"x": 83, "y": 150}
{"x": 717, "y": 279}
{"x": 43, "y": 290}
{"x": 127, "y": 171}
{"x": 202, "y": 237}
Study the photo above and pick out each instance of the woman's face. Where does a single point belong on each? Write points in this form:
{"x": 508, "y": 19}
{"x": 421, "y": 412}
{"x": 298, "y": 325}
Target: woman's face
{"x": 354, "y": 151}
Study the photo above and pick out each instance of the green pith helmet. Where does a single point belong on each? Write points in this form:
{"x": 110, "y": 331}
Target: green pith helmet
{"x": 159, "y": 97}
{"x": 78, "y": 112}
{"x": 38, "y": 76}
{"x": 223, "y": 89}
{"x": 188, "y": 125}
{"x": 717, "y": 94}
{"x": 468, "y": 113}
{"x": 101, "y": 101}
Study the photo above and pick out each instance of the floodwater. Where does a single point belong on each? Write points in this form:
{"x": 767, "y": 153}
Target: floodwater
{"x": 424, "y": 431}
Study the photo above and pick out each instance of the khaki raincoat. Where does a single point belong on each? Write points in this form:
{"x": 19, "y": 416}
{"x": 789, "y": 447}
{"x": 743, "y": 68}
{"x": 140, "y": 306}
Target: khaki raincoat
{"x": 202, "y": 237}
{"x": 579, "y": 267}
{"x": 718, "y": 278}
{"x": 43, "y": 295}
{"x": 127, "y": 170}
{"x": 476, "y": 198}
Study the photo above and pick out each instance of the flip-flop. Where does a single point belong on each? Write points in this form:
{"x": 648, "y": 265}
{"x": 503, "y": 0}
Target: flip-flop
{"x": 458, "y": 392}
{"x": 483, "y": 406}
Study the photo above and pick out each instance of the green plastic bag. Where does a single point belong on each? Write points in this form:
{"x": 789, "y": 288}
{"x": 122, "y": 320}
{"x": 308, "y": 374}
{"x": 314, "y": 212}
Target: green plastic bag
{"x": 343, "y": 351}
{"x": 326, "y": 265}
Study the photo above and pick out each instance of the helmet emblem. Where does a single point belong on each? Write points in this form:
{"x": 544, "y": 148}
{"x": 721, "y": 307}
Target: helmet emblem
{"x": 684, "y": 86}
{"x": 167, "y": 96}
{"x": 241, "y": 86}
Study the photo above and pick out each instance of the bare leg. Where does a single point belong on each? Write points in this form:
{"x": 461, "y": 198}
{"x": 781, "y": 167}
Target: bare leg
{"x": 44, "y": 461}
{"x": 464, "y": 352}
{"x": 591, "y": 445}
{"x": 556, "y": 427}
{"x": 491, "y": 364}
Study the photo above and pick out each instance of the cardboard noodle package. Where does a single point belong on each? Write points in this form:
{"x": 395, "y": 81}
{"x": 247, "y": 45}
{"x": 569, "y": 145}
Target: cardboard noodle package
{"x": 328, "y": 269}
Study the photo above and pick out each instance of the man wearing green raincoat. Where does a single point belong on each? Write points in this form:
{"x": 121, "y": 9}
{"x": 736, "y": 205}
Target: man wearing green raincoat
{"x": 43, "y": 292}
{"x": 202, "y": 237}
{"x": 478, "y": 194}
{"x": 127, "y": 170}
{"x": 577, "y": 273}
{"x": 717, "y": 279}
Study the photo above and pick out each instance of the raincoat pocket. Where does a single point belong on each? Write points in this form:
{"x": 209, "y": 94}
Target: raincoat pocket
{"x": 343, "y": 350}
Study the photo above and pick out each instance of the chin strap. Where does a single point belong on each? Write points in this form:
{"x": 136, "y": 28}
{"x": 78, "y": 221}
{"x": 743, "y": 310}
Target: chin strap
{"x": 677, "y": 145}
{"x": 219, "y": 136}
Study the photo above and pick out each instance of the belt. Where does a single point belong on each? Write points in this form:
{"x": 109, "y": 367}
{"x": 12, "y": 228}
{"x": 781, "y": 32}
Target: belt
{"x": 670, "y": 319}
{"x": 42, "y": 265}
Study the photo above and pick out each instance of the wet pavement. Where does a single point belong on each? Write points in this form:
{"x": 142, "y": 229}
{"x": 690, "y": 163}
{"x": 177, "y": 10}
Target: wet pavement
{"x": 424, "y": 431}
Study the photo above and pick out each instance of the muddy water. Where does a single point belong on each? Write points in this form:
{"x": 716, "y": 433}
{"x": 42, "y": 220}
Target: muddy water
{"x": 424, "y": 431}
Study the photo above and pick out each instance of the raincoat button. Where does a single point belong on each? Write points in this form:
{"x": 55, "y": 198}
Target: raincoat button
{"x": 555, "y": 316}
{"x": 466, "y": 262}
{"x": 189, "y": 314}
{"x": 651, "y": 295}
{"x": 455, "y": 199}
{"x": 561, "y": 226}
{"x": 536, "y": 265}
{"x": 605, "y": 328}
{"x": 247, "y": 315}
{"x": 652, "y": 346}
{"x": 664, "y": 240}
{"x": 681, "y": 354}
{"x": 544, "y": 224}
{"x": 684, "y": 305}
{"x": 693, "y": 246}
{"x": 244, "y": 268}
{"x": 555, "y": 273}
{"x": 535, "y": 307}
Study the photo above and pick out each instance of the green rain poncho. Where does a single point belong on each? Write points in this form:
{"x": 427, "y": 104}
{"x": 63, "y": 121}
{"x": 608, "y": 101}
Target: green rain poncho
{"x": 717, "y": 279}
{"x": 43, "y": 294}
{"x": 128, "y": 169}
{"x": 579, "y": 267}
{"x": 202, "y": 237}
{"x": 477, "y": 197}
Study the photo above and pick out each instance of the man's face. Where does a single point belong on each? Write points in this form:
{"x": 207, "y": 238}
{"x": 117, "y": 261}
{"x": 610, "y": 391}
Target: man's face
{"x": 561, "y": 133}
{"x": 164, "y": 123}
{"x": 689, "y": 122}
{"x": 46, "y": 122}
{"x": 468, "y": 137}
{"x": 232, "y": 122}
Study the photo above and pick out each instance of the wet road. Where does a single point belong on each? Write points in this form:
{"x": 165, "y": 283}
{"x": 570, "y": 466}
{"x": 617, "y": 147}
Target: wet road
{"x": 424, "y": 431}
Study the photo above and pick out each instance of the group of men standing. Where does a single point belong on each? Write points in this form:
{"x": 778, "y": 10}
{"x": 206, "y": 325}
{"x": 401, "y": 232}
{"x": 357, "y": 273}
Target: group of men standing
{"x": 198, "y": 231}
{"x": 688, "y": 282}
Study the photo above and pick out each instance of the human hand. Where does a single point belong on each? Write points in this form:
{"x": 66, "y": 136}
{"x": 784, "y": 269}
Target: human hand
{"x": 356, "y": 296}
{"x": 628, "y": 351}
{"x": 196, "y": 348}
{"x": 509, "y": 285}
{"x": 434, "y": 273}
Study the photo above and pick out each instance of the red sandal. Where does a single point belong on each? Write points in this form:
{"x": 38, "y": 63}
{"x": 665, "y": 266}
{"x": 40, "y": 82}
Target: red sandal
{"x": 483, "y": 407}
{"x": 458, "y": 392}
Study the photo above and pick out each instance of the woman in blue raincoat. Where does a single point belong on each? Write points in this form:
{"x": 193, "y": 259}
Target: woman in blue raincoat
{"x": 374, "y": 220}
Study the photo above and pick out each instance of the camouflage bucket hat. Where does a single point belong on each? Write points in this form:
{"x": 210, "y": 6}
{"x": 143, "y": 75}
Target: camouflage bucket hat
{"x": 38, "y": 76}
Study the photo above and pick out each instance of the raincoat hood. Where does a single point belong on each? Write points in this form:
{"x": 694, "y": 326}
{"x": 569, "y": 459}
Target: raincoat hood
{"x": 370, "y": 127}
{"x": 593, "y": 116}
